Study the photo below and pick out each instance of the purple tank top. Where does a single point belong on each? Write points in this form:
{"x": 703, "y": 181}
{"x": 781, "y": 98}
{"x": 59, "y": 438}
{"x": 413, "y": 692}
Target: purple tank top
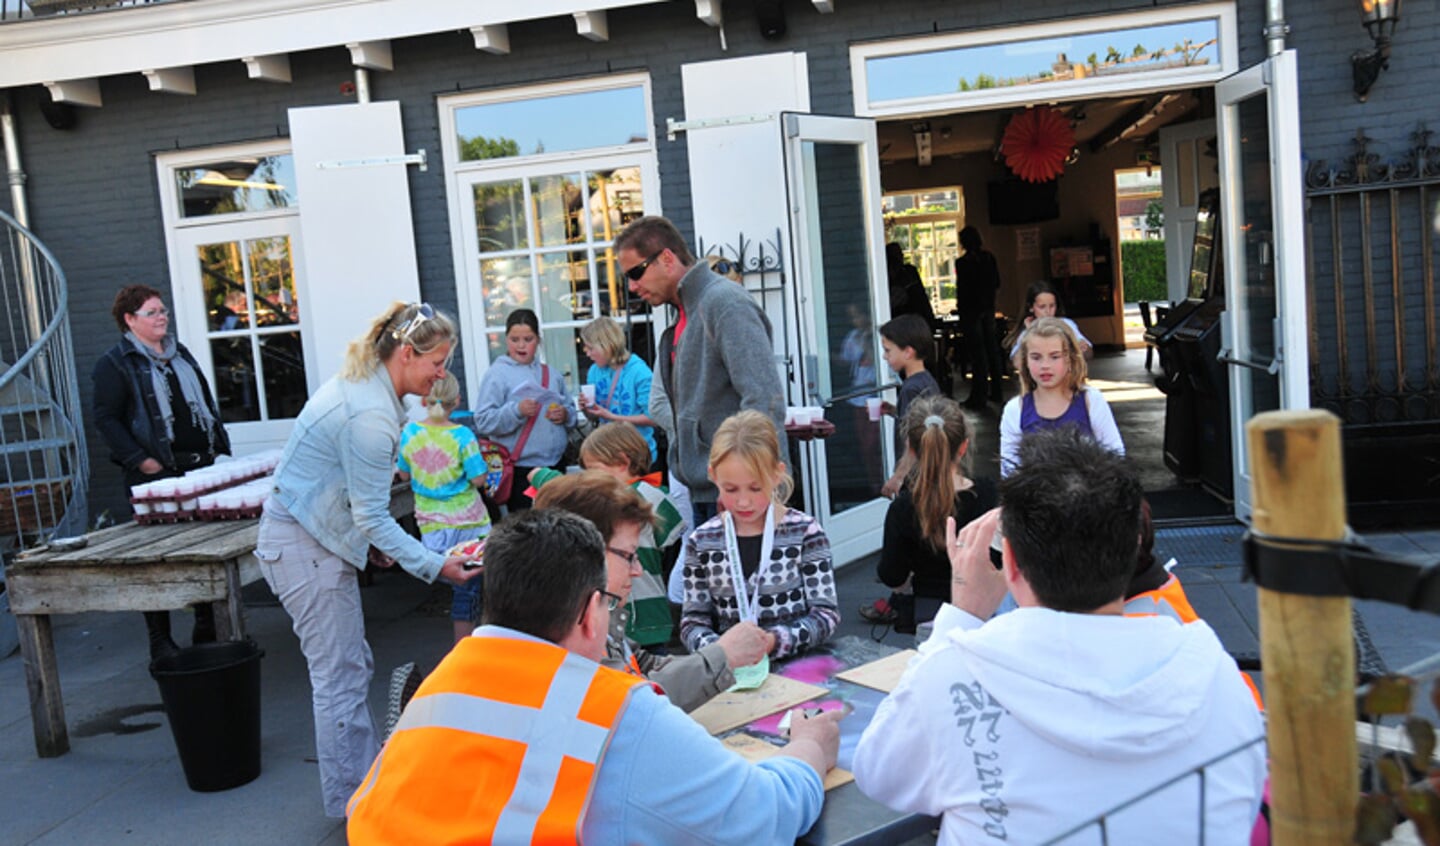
{"x": 1077, "y": 415}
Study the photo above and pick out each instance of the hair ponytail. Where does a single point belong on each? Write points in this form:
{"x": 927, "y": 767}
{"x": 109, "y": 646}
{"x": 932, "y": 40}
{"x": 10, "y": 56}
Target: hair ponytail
{"x": 366, "y": 353}
{"x": 444, "y": 396}
{"x": 936, "y": 429}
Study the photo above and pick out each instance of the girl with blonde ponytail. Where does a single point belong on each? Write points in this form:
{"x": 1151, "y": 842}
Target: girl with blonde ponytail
{"x": 937, "y": 488}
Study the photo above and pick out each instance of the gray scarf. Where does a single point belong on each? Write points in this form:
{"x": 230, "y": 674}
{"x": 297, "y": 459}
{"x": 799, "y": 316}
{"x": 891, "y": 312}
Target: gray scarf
{"x": 161, "y": 364}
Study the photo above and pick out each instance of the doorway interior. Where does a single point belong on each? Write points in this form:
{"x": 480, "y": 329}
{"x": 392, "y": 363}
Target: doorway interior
{"x": 1039, "y": 232}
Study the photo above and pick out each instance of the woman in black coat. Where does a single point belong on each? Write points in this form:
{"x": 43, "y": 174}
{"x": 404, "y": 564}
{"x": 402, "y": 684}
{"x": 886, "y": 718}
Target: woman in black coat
{"x": 155, "y": 411}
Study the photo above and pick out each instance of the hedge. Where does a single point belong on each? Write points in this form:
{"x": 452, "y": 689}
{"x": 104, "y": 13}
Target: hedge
{"x": 1144, "y": 264}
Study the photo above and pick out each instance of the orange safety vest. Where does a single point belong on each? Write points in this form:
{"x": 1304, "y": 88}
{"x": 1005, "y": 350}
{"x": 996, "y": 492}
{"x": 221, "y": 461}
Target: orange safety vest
{"x": 501, "y": 743}
{"x": 1169, "y": 600}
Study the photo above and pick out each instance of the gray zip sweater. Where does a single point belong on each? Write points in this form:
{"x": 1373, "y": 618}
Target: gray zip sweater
{"x": 724, "y": 363}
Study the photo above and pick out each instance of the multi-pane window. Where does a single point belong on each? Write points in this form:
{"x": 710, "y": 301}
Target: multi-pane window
{"x": 253, "y": 320}
{"x": 544, "y": 183}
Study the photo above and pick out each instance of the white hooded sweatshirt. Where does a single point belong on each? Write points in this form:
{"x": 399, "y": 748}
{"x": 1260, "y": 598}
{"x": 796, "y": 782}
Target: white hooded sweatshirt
{"x": 1023, "y": 728}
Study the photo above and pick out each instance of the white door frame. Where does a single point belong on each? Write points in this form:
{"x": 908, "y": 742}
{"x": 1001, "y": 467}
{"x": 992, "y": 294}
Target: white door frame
{"x": 859, "y": 533}
{"x": 1277, "y": 79}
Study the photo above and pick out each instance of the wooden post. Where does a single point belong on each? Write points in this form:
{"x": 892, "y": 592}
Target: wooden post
{"x": 1307, "y": 643}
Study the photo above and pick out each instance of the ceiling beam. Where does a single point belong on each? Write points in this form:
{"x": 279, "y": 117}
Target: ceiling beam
{"x": 179, "y": 80}
{"x": 274, "y": 68}
{"x": 1133, "y": 121}
{"x": 593, "y": 25}
{"x": 76, "y": 92}
{"x": 492, "y": 38}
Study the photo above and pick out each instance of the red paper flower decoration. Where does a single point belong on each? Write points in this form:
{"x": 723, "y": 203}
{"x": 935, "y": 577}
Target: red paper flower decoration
{"x": 1036, "y": 144}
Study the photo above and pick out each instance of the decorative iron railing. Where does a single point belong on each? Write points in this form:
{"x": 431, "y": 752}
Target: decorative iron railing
{"x": 44, "y": 468}
{"x": 1372, "y": 233}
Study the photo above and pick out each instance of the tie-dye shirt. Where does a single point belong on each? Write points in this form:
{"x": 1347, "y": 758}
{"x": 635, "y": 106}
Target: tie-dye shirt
{"x": 442, "y": 462}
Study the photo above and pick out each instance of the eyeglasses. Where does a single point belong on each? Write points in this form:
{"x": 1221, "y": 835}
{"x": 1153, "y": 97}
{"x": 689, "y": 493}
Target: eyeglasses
{"x": 423, "y": 313}
{"x": 725, "y": 267}
{"x": 628, "y": 557}
{"x": 162, "y": 311}
{"x": 611, "y": 600}
{"x": 634, "y": 273}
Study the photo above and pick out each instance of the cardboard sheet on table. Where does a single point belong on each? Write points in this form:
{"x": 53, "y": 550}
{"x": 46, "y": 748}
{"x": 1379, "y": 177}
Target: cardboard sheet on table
{"x": 882, "y": 675}
{"x": 734, "y": 708}
{"x": 754, "y": 749}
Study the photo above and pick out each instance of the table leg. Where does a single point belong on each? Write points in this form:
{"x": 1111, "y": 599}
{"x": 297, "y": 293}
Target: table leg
{"x": 230, "y": 612}
{"x": 42, "y": 676}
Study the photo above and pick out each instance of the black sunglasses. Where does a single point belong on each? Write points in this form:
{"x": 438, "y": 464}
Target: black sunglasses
{"x": 634, "y": 273}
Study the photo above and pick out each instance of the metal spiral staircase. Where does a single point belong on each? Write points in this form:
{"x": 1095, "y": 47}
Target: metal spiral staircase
{"x": 44, "y": 468}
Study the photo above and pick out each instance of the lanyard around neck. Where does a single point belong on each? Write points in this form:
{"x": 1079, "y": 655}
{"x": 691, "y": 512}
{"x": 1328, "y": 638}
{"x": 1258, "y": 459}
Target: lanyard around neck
{"x": 746, "y": 603}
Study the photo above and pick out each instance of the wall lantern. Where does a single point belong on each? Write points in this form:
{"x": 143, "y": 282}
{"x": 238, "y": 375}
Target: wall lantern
{"x": 1379, "y": 17}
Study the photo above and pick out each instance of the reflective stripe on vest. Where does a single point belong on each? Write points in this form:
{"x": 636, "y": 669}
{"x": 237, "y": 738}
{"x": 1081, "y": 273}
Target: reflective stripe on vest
{"x": 500, "y": 744}
{"x": 1168, "y": 600}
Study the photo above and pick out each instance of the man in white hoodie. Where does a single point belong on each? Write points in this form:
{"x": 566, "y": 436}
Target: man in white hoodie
{"x": 1028, "y": 727}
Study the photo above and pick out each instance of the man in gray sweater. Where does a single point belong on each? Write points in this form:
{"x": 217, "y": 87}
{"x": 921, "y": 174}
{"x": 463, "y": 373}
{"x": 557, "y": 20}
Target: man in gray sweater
{"x": 717, "y": 360}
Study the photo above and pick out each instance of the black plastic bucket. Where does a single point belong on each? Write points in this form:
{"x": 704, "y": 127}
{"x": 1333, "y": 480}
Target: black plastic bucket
{"x": 211, "y": 693}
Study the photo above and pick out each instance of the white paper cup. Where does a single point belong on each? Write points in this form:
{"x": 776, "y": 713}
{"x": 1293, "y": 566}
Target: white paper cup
{"x": 588, "y": 392}
{"x": 801, "y": 417}
{"x": 873, "y": 408}
{"x": 817, "y": 413}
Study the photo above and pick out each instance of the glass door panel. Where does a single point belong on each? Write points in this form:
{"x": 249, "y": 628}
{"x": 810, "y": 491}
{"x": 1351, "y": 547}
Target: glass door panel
{"x": 1265, "y": 318}
{"x": 837, "y": 236}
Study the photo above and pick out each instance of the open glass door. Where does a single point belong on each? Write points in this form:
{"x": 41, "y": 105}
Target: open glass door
{"x": 1265, "y": 321}
{"x": 837, "y": 239}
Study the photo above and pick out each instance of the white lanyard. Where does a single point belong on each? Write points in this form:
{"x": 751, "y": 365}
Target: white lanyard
{"x": 745, "y": 603}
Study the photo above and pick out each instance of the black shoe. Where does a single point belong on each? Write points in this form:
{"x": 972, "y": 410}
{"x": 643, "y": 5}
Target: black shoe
{"x": 157, "y": 623}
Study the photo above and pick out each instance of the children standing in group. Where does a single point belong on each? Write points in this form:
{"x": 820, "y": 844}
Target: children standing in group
{"x": 757, "y": 560}
{"x": 914, "y": 545}
{"x": 907, "y": 344}
{"x": 446, "y": 472}
{"x": 620, "y": 451}
{"x": 1042, "y": 300}
{"x": 1053, "y": 393}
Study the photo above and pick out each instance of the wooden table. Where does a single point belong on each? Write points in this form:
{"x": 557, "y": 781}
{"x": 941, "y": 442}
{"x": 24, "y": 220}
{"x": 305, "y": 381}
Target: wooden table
{"x": 123, "y": 568}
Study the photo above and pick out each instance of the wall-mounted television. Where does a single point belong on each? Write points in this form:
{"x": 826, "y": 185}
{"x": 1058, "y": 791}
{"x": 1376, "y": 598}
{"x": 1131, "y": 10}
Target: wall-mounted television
{"x": 1015, "y": 201}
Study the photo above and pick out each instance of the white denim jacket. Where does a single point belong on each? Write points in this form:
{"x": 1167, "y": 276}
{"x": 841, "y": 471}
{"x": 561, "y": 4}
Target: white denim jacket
{"x": 334, "y": 476}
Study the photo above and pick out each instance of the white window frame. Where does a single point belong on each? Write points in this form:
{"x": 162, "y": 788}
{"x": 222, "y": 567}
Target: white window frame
{"x": 462, "y": 173}
{"x": 188, "y": 304}
{"x": 1160, "y": 80}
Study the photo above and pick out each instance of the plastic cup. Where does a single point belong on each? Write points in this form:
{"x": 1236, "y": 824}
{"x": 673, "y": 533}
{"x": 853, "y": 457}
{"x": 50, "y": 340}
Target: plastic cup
{"x": 802, "y": 417}
{"x": 588, "y": 393}
{"x": 817, "y": 413}
{"x": 873, "y": 407}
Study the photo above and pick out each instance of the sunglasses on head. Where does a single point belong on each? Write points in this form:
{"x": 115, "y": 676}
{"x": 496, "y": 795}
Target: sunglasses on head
{"x": 423, "y": 313}
{"x": 634, "y": 273}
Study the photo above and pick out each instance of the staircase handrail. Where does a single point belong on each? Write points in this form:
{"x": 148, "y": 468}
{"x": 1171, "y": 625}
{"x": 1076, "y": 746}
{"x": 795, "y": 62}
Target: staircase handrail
{"x": 57, "y": 319}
